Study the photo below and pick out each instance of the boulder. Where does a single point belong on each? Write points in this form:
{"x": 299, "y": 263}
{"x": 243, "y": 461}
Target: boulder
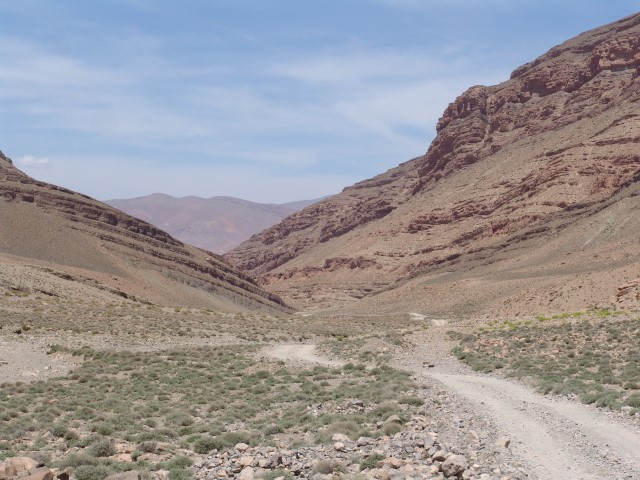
{"x": 340, "y": 437}
{"x": 42, "y": 473}
{"x": 131, "y": 475}
{"x": 247, "y": 473}
{"x": 17, "y": 466}
{"x": 454, "y": 465}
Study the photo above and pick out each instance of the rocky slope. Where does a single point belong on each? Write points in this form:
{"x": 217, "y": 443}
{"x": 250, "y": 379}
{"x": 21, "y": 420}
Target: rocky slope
{"x": 82, "y": 238}
{"x": 526, "y": 201}
{"x": 217, "y": 224}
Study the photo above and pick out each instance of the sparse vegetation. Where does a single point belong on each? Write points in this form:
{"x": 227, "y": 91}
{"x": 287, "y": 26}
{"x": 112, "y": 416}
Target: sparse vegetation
{"x": 594, "y": 355}
{"x": 198, "y": 398}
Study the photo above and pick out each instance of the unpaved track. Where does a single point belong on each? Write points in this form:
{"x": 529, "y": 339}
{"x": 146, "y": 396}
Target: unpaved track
{"x": 299, "y": 353}
{"x": 27, "y": 360}
{"x": 555, "y": 438}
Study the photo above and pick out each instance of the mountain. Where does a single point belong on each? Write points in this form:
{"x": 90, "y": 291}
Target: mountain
{"x": 75, "y": 237}
{"x": 527, "y": 201}
{"x": 216, "y": 224}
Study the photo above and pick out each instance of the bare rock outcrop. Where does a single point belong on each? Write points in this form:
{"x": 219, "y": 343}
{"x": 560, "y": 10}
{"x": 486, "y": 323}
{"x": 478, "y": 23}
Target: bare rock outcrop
{"x": 526, "y": 200}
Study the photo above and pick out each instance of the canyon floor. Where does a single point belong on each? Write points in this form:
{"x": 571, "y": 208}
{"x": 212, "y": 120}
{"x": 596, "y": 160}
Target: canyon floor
{"x": 102, "y": 385}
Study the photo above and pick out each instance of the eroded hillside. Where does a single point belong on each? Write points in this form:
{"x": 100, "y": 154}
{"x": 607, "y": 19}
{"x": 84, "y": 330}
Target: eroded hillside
{"x": 66, "y": 231}
{"x": 526, "y": 200}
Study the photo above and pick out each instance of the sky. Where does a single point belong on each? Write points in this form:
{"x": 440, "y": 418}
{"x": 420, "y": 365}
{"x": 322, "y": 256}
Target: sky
{"x": 270, "y": 101}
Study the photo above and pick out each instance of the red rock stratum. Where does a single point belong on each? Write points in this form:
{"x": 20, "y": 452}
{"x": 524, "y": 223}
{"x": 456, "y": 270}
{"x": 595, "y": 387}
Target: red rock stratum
{"x": 85, "y": 240}
{"x": 527, "y": 201}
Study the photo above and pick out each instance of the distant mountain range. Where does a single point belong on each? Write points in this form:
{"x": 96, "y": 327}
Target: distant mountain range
{"x": 217, "y": 224}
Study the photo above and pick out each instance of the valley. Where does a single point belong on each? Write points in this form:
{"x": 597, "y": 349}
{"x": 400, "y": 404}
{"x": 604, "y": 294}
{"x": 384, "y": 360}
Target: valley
{"x": 106, "y": 384}
{"x": 473, "y": 313}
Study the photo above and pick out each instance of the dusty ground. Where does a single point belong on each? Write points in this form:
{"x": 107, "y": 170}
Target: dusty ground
{"x": 552, "y": 438}
{"x": 27, "y": 361}
{"x": 555, "y": 437}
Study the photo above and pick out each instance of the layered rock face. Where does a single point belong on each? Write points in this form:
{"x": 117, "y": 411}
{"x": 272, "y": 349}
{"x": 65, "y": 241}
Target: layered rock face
{"x": 527, "y": 199}
{"x": 69, "y": 231}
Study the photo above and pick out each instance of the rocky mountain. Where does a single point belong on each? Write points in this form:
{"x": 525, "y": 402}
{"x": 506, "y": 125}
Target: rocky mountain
{"x": 217, "y": 224}
{"x": 77, "y": 238}
{"x": 527, "y": 201}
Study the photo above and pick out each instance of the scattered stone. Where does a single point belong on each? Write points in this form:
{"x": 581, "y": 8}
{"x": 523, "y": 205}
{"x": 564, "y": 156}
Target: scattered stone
{"x": 131, "y": 475}
{"x": 503, "y": 442}
{"x": 472, "y": 438}
{"x": 392, "y": 462}
{"x": 440, "y": 455}
{"x": 454, "y": 465}
{"x": 247, "y": 473}
{"x": 340, "y": 437}
{"x": 42, "y": 473}
{"x": 17, "y": 466}
{"x": 362, "y": 441}
{"x": 242, "y": 447}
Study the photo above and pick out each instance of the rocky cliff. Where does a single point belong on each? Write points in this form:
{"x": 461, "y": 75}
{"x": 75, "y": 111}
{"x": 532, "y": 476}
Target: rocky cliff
{"x": 550, "y": 157}
{"x": 45, "y": 223}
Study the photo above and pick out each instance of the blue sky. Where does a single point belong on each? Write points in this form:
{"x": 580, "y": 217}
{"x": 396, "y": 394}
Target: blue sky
{"x": 271, "y": 101}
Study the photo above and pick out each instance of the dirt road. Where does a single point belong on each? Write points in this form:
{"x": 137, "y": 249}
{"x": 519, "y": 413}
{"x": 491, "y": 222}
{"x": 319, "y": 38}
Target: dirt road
{"x": 299, "y": 353}
{"x": 557, "y": 439}
{"x": 26, "y": 360}
{"x": 553, "y": 438}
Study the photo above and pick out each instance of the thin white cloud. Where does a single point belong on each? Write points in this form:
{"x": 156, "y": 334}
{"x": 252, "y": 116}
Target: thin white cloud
{"x": 75, "y": 95}
{"x": 344, "y": 70}
{"x": 386, "y": 93}
{"x": 29, "y": 161}
{"x": 348, "y": 112}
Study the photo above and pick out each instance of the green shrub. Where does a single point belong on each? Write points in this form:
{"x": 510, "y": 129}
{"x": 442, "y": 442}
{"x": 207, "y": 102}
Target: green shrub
{"x": 371, "y": 461}
{"x": 148, "y": 447}
{"x": 92, "y": 472}
{"x": 205, "y": 445}
{"x": 273, "y": 429}
{"x": 411, "y": 400}
{"x": 390, "y": 428}
{"x": 325, "y": 467}
{"x": 59, "y": 430}
{"x": 103, "y": 447}
{"x": 633, "y": 400}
